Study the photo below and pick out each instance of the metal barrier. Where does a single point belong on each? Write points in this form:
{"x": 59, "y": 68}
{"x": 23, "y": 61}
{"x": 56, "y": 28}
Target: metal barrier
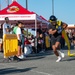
{"x": 10, "y": 45}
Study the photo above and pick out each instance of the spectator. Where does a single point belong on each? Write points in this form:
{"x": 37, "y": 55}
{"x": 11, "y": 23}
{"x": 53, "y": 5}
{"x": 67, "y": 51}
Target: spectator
{"x": 6, "y": 30}
{"x": 33, "y": 44}
{"x": 23, "y": 39}
{"x": 19, "y": 33}
{"x": 6, "y": 26}
{"x": 40, "y": 43}
{"x": 1, "y": 37}
{"x": 74, "y": 39}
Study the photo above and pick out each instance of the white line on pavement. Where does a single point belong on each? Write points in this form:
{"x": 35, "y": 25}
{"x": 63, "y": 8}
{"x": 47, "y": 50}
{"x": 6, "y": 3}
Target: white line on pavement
{"x": 41, "y": 72}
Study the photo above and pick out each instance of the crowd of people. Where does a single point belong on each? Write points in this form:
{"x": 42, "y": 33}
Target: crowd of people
{"x": 24, "y": 42}
{"x": 71, "y": 36}
{"x": 46, "y": 39}
{"x": 8, "y": 29}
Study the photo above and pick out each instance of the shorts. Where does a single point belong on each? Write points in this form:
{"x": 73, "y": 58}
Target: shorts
{"x": 1, "y": 40}
{"x": 54, "y": 40}
{"x": 19, "y": 43}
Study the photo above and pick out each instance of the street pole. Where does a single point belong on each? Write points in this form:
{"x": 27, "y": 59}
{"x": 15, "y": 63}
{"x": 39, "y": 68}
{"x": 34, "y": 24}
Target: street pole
{"x": 26, "y": 4}
{"x": 27, "y": 9}
{"x": 8, "y": 3}
{"x": 0, "y": 4}
{"x": 52, "y": 7}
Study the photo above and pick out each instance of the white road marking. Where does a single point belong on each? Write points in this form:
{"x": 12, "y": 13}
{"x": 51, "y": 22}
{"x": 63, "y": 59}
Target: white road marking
{"x": 41, "y": 72}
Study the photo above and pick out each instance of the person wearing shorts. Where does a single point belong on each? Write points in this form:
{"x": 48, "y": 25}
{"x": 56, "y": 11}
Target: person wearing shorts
{"x": 19, "y": 37}
{"x": 55, "y": 32}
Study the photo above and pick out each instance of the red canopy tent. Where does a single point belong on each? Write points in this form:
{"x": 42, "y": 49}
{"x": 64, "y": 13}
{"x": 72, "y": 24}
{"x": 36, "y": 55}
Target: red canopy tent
{"x": 45, "y": 22}
{"x": 16, "y": 12}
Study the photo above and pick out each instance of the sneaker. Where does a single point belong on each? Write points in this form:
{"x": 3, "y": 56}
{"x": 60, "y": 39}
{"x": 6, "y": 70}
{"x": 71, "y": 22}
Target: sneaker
{"x": 15, "y": 58}
{"x": 21, "y": 57}
{"x": 61, "y": 54}
{"x": 59, "y": 59}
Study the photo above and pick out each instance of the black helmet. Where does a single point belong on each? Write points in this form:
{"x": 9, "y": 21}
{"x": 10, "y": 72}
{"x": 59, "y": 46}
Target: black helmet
{"x": 52, "y": 18}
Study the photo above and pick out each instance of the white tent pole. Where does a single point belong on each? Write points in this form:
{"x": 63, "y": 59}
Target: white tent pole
{"x": 35, "y": 26}
{"x": 36, "y": 32}
{"x": 27, "y": 9}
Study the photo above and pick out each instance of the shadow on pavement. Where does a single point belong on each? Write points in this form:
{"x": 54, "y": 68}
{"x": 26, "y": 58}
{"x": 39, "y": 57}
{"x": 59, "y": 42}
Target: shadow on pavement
{"x": 39, "y": 55}
{"x": 49, "y": 52}
{"x": 71, "y": 59}
{"x": 30, "y": 57}
{"x": 14, "y": 70}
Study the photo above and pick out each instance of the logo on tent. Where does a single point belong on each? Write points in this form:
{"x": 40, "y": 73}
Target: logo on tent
{"x": 13, "y": 9}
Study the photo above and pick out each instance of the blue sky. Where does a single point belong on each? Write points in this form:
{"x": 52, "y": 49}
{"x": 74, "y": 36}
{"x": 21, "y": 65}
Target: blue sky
{"x": 63, "y": 9}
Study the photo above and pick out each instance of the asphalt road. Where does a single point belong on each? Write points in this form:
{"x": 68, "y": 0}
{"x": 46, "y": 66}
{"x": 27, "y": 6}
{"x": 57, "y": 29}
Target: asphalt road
{"x": 39, "y": 64}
